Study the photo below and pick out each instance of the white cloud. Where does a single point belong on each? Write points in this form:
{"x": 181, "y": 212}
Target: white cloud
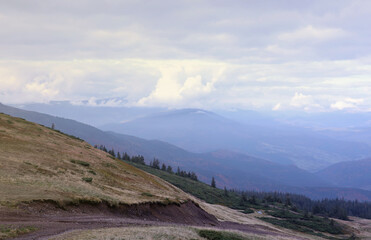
{"x": 207, "y": 84}
{"x": 348, "y": 103}
{"x": 277, "y": 107}
{"x": 182, "y": 82}
{"x": 305, "y": 102}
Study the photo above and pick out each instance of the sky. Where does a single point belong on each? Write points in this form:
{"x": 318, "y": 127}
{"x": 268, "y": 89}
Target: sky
{"x": 268, "y": 55}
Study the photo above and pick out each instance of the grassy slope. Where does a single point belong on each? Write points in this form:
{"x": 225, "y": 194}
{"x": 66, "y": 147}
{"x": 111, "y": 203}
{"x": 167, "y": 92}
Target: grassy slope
{"x": 38, "y": 163}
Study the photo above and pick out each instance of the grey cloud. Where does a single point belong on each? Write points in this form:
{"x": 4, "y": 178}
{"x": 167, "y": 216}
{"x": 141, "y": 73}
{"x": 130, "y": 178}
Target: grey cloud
{"x": 270, "y": 51}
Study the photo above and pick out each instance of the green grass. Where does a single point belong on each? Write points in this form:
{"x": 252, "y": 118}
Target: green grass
{"x": 9, "y": 231}
{"x": 219, "y": 235}
{"x": 311, "y": 222}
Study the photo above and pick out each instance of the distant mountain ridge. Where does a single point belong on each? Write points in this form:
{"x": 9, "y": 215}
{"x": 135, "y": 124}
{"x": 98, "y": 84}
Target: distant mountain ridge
{"x": 229, "y": 168}
{"x": 198, "y": 130}
{"x": 356, "y": 174}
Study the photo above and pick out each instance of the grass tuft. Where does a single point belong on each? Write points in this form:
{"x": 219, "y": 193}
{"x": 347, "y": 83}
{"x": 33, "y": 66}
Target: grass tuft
{"x": 82, "y": 163}
{"x": 87, "y": 179}
{"x": 146, "y": 194}
{"x": 218, "y": 235}
{"x": 9, "y": 231}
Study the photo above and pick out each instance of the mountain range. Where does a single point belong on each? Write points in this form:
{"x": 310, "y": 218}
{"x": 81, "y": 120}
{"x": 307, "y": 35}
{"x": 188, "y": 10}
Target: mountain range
{"x": 203, "y": 131}
{"x": 231, "y": 169}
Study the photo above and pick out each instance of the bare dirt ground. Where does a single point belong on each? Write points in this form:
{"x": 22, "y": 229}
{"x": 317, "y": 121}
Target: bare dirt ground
{"x": 51, "y": 220}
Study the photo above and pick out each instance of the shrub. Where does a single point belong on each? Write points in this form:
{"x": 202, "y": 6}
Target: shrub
{"x": 217, "y": 235}
{"x": 82, "y": 163}
{"x": 87, "y": 179}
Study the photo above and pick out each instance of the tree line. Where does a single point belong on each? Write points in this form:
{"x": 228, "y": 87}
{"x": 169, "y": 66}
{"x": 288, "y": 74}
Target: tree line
{"x": 155, "y": 163}
{"x": 335, "y": 208}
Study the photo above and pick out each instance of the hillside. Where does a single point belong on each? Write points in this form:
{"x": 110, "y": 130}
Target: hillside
{"x": 355, "y": 174}
{"x": 38, "y": 163}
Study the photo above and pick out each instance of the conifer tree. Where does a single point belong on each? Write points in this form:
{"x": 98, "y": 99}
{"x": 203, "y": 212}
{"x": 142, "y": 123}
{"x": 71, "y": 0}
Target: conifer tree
{"x": 213, "y": 184}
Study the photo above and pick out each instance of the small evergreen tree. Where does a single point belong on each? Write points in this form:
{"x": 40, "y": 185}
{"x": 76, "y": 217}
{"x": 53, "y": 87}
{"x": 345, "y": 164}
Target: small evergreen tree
{"x": 169, "y": 169}
{"x": 213, "y": 183}
{"x": 156, "y": 163}
{"x": 226, "y": 192}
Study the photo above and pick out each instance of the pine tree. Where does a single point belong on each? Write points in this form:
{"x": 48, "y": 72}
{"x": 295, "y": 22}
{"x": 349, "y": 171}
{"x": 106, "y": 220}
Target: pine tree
{"x": 169, "y": 169}
{"x": 213, "y": 184}
{"x": 163, "y": 167}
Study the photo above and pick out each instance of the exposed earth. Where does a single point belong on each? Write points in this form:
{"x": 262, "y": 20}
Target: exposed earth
{"x": 51, "y": 220}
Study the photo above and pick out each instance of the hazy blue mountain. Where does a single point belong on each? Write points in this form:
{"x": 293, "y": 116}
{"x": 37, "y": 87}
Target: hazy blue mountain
{"x": 324, "y": 120}
{"x": 203, "y": 131}
{"x": 304, "y": 139}
{"x": 361, "y": 134}
{"x": 98, "y": 115}
{"x": 356, "y": 174}
{"x": 230, "y": 169}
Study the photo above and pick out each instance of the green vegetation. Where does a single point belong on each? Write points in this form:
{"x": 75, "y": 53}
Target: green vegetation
{"x": 87, "y": 179}
{"x": 307, "y": 222}
{"x": 147, "y": 194}
{"x": 9, "y": 231}
{"x": 308, "y": 227}
{"x": 219, "y": 235}
{"x": 82, "y": 163}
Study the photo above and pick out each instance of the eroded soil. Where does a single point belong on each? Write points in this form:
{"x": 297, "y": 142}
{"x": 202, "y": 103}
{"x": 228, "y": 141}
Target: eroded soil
{"x": 52, "y": 220}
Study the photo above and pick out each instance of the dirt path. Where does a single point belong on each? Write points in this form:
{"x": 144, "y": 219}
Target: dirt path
{"x": 50, "y": 220}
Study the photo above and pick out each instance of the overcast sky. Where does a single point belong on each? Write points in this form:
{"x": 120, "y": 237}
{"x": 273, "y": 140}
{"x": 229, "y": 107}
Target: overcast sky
{"x": 279, "y": 55}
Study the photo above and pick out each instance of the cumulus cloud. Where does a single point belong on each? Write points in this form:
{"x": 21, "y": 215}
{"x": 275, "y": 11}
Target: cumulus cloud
{"x": 348, "y": 103}
{"x": 182, "y": 82}
{"x": 306, "y": 102}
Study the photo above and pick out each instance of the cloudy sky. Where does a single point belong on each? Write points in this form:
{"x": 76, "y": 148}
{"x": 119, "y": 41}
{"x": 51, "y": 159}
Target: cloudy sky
{"x": 279, "y": 54}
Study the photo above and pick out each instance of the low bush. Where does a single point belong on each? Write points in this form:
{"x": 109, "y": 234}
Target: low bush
{"x": 218, "y": 235}
{"x": 82, "y": 163}
{"x": 87, "y": 179}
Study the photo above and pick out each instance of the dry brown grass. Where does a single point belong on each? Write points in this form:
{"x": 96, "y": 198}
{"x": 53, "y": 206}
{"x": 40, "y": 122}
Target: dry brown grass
{"x": 38, "y": 163}
{"x": 156, "y": 233}
{"x": 360, "y": 226}
{"x": 151, "y": 233}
